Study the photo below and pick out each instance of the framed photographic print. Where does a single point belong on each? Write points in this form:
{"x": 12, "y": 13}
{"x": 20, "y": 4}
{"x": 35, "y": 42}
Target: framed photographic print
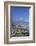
{"x": 19, "y": 26}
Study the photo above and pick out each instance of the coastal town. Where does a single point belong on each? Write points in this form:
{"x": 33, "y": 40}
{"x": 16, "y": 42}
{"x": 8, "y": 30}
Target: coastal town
{"x": 19, "y": 30}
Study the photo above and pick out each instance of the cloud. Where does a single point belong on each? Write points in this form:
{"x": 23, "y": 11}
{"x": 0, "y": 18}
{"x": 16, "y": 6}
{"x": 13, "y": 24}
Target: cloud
{"x": 20, "y": 18}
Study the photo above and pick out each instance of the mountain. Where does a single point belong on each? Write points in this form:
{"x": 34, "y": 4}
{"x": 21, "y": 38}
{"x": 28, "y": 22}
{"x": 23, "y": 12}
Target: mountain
{"x": 26, "y": 24}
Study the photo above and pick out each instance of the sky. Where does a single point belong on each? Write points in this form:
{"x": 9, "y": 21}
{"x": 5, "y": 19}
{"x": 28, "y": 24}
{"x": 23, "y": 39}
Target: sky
{"x": 19, "y": 13}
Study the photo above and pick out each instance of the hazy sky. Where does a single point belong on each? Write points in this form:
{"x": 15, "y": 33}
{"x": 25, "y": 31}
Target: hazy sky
{"x": 19, "y": 13}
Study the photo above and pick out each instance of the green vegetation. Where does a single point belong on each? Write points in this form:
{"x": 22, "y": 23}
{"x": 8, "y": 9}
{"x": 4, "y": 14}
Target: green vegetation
{"x": 21, "y": 33}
